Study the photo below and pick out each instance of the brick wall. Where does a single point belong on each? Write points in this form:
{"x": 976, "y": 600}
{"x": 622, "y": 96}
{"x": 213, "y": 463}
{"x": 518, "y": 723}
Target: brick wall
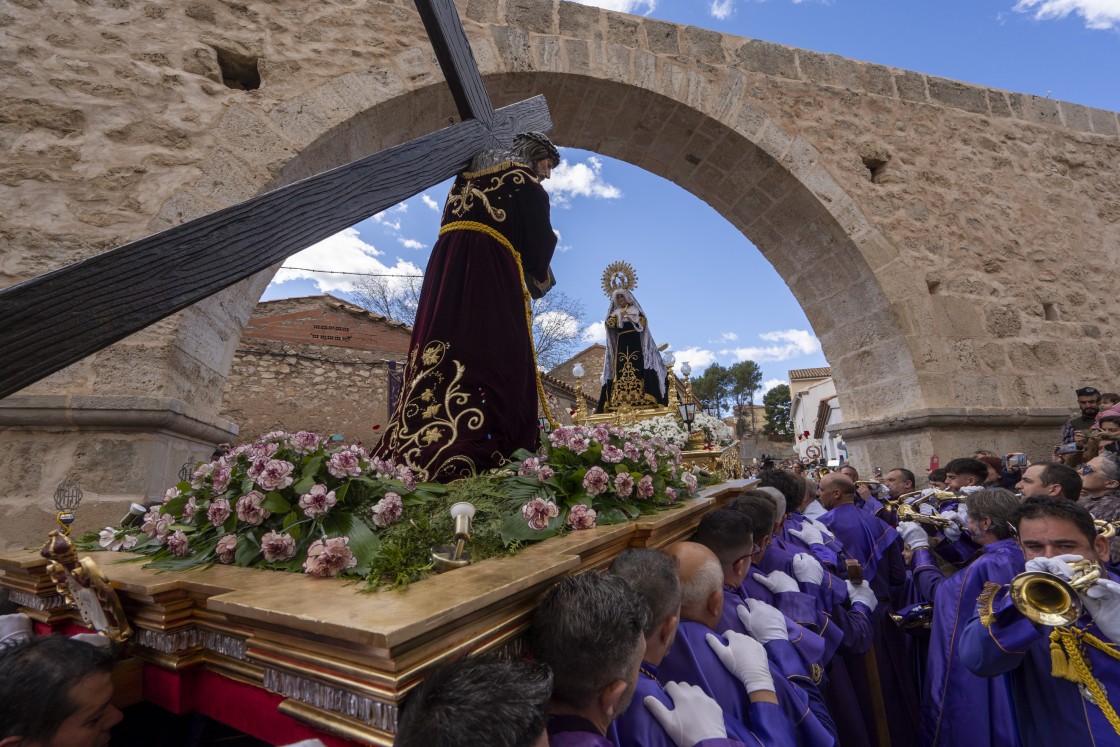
{"x": 323, "y": 320}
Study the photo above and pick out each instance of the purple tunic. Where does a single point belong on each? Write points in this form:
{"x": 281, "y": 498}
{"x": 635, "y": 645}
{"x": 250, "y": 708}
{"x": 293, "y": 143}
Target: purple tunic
{"x": 574, "y": 731}
{"x": 810, "y": 646}
{"x": 957, "y": 706}
{"x": 1049, "y": 710}
{"x": 637, "y": 727}
{"x": 692, "y": 660}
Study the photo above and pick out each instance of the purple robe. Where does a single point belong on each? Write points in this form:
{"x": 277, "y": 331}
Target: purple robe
{"x": 810, "y": 646}
{"x": 690, "y": 659}
{"x": 805, "y": 606}
{"x": 637, "y": 727}
{"x": 1048, "y": 710}
{"x": 469, "y": 396}
{"x": 957, "y": 706}
{"x": 574, "y": 731}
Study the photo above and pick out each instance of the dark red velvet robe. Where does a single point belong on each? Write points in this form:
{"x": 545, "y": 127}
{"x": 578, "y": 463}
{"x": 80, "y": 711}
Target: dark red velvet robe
{"x": 469, "y": 398}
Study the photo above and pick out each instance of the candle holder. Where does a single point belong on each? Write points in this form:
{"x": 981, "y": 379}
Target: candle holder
{"x": 449, "y": 557}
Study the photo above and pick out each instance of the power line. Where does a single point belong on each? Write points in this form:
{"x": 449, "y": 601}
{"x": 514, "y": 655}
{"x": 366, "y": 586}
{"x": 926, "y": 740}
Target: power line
{"x": 364, "y": 274}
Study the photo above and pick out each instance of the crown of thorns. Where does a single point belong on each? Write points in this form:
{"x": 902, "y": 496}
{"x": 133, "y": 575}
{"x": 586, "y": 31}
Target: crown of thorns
{"x": 541, "y": 139}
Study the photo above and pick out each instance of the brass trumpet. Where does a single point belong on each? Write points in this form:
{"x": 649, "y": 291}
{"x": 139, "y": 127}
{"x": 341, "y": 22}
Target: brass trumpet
{"x": 1107, "y": 529}
{"x": 907, "y": 512}
{"x": 1047, "y": 599}
{"x": 940, "y": 495}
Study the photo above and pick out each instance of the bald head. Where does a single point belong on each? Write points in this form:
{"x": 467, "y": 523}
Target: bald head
{"x": 701, "y": 582}
{"x": 836, "y": 489}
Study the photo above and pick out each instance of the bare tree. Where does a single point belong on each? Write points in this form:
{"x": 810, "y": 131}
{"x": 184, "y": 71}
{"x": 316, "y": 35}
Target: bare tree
{"x": 558, "y": 321}
{"x": 393, "y": 297}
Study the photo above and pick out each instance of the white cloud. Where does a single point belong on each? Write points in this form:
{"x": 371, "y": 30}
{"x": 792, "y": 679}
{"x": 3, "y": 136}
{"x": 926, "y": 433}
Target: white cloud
{"x": 391, "y": 218}
{"x": 721, "y": 9}
{"x": 624, "y": 6}
{"x": 729, "y": 337}
{"x": 560, "y": 245}
{"x": 430, "y": 202}
{"x": 347, "y": 252}
{"x": 595, "y": 332}
{"x": 411, "y": 243}
{"x": 771, "y": 383}
{"x": 1098, "y": 14}
{"x": 788, "y": 343}
{"x": 561, "y": 323}
{"x": 697, "y": 358}
{"x": 579, "y": 180}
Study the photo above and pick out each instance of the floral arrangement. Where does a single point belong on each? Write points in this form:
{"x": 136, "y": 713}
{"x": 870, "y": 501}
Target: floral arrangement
{"x": 300, "y": 503}
{"x": 716, "y": 432}
{"x": 669, "y": 428}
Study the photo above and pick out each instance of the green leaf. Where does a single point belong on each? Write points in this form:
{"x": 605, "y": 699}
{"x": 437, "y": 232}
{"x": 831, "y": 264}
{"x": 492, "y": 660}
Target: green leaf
{"x": 246, "y": 486}
{"x": 275, "y": 503}
{"x": 630, "y": 510}
{"x": 247, "y": 551}
{"x": 304, "y": 485}
{"x": 431, "y": 487}
{"x": 516, "y": 529}
{"x": 363, "y": 542}
{"x": 311, "y": 468}
{"x": 611, "y": 516}
{"x": 175, "y": 505}
{"x": 340, "y": 492}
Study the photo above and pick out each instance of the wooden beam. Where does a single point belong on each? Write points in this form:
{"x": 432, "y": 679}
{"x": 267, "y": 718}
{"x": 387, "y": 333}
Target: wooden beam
{"x": 59, "y": 318}
{"x": 453, "y": 52}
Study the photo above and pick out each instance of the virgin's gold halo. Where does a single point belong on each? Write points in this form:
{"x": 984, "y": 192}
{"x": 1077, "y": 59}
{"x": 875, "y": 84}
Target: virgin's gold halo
{"x": 619, "y": 275}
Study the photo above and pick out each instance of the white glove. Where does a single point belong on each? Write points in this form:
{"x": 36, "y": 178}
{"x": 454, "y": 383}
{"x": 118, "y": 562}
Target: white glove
{"x": 1057, "y": 565}
{"x": 14, "y": 630}
{"x": 926, "y": 509}
{"x": 862, "y": 593}
{"x": 962, "y": 513}
{"x": 808, "y": 534}
{"x": 913, "y": 535}
{"x": 694, "y": 718}
{"x": 970, "y": 489}
{"x": 822, "y": 528}
{"x": 93, "y": 639}
{"x": 745, "y": 658}
{"x": 777, "y": 582}
{"x": 807, "y": 569}
{"x": 1102, "y": 599}
{"x": 953, "y": 531}
{"x": 764, "y": 622}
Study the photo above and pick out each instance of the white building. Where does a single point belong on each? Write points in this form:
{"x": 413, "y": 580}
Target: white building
{"x": 814, "y": 409}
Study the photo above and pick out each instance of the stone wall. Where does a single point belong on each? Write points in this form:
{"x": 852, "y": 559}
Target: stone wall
{"x": 295, "y": 386}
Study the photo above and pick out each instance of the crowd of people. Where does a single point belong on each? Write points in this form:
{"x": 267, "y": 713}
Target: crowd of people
{"x": 820, "y": 609}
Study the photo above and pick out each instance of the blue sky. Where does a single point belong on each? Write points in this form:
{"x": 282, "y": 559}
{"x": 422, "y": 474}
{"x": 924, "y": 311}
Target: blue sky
{"x": 692, "y": 269}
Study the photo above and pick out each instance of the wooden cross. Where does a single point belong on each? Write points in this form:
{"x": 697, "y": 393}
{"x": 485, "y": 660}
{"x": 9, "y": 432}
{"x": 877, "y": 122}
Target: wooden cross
{"x": 91, "y": 304}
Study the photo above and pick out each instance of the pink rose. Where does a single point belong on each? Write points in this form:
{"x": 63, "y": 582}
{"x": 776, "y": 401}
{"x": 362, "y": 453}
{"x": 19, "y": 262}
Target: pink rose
{"x": 190, "y": 509}
{"x": 274, "y": 436}
{"x": 623, "y": 484}
{"x": 178, "y": 544}
{"x": 596, "y": 481}
{"x": 277, "y": 546}
{"x": 559, "y": 437}
{"x": 612, "y": 454}
{"x": 218, "y": 512}
{"x": 156, "y": 525}
{"x": 538, "y": 511}
{"x": 171, "y": 493}
{"x": 530, "y": 467}
{"x": 387, "y": 510}
{"x": 404, "y": 474}
{"x": 249, "y": 508}
{"x": 690, "y": 482}
{"x": 220, "y": 479}
{"x": 317, "y": 501}
{"x": 631, "y": 451}
{"x": 671, "y": 494}
{"x": 651, "y": 459}
{"x": 329, "y": 557}
{"x": 344, "y": 464}
{"x": 304, "y": 442}
{"x": 545, "y": 473}
{"x": 256, "y": 466}
{"x": 264, "y": 450}
{"x": 579, "y": 444}
{"x": 200, "y": 474}
{"x": 226, "y": 548}
{"x": 581, "y": 517}
{"x": 600, "y": 434}
{"x": 645, "y": 488}
{"x": 277, "y": 474}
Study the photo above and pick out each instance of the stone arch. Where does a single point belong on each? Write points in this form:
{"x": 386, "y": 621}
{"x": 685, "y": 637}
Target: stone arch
{"x": 914, "y": 190}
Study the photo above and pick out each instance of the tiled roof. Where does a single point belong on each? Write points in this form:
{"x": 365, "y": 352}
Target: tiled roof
{"x": 800, "y": 374}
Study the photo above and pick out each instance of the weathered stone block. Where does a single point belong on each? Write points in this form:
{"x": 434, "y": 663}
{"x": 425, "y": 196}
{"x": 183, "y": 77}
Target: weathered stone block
{"x": 531, "y": 15}
{"x": 767, "y": 57}
{"x": 814, "y": 67}
{"x": 957, "y": 94}
{"x": 662, "y": 37}
{"x": 911, "y": 86}
{"x": 704, "y": 46}
{"x": 578, "y": 21}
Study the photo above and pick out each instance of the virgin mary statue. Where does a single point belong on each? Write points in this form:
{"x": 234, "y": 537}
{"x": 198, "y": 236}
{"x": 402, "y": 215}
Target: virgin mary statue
{"x": 633, "y": 373}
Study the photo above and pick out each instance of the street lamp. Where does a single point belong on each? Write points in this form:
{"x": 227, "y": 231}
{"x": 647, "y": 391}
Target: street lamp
{"x": 688, "y": 413}
{"x": 686, "y": 369}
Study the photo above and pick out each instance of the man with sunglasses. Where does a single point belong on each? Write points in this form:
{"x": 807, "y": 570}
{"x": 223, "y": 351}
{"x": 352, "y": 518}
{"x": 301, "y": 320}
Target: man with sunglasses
{"x": 1100, "y": 492}
{"x": 1064, "y": 681}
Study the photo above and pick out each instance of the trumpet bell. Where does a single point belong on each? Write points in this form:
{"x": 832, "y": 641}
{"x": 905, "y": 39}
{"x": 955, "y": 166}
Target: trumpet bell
{"x": 1045, "y": 599}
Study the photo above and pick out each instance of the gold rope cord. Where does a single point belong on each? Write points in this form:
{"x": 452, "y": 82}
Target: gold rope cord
{"x": 470, "y": 225}
{"x": 1078, "y": 670}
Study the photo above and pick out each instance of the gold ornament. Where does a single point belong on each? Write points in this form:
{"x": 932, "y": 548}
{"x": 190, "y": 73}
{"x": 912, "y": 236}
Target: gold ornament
{"x": 619, "y": 275}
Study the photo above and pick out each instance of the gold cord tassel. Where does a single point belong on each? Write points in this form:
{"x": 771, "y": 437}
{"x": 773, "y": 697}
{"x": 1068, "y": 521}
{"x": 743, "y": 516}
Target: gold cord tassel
{"x": 1059, "y": 663}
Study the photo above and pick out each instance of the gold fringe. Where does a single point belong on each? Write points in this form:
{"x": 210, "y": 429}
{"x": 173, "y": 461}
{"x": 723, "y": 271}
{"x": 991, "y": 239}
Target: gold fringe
{"x": 985, "y": 601}
{"x": 1076, "y": 667}
{"x": 470, "y": 225}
